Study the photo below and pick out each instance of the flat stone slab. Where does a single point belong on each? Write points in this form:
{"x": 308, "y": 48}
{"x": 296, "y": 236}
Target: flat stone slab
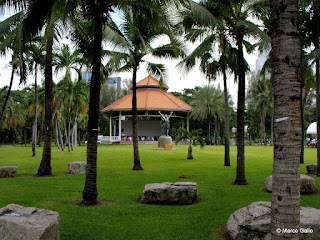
{"x": 77, "y": 167}
{"x": 28, "y": 223}
{"x": 170, "y": 193}
{"x": 10, "y": 171}
{"x": 312, "y": 168}
{"x": 307, "y": 184}
{"x": 254, "y": 222}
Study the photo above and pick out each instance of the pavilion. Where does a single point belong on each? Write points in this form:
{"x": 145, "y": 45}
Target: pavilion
{"x": 151, "y": 100}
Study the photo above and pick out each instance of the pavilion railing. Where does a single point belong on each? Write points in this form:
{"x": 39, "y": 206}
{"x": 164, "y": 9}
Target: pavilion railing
{"x": 109, "y": 139}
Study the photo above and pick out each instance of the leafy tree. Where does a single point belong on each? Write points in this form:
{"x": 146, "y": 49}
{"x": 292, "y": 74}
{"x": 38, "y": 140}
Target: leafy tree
{"x": 194, "y": 138}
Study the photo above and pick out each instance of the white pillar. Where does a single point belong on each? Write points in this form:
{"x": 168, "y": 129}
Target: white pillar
{"x": 110, "y": 123}
{"x": 120, "y": 114}
{"x": 182, "y": 123}
{"x": 188, "y": 122}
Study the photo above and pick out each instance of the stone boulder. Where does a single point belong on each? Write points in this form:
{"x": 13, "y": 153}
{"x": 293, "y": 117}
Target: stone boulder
{"x": 312, "y": 168}
{"x": 28, "y": 223}
{"x": 254, "y": 222}
{"x": 10, "y": 171}
{"x": 170, "y": 193}
{"x": 307, "y": 184}
{"x": 77, "y": 168}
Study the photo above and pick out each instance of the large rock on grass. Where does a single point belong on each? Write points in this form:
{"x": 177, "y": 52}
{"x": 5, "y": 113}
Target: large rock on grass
{"x": 312, "y": 168}
{"x": 77, "y": 167}
{"x": 307, "y": 184}
{"x": 170, "y": 193}
{"x": 28, "y": 223}
{"x": 10, "y": 171}
{"x": 254, "y": 222}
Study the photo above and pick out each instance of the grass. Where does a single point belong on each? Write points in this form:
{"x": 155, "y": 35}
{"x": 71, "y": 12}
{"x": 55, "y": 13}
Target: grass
{"x": 121, "y": 217}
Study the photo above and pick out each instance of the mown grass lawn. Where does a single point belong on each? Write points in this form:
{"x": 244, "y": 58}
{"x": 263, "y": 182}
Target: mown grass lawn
{"x": 121, "y": 217}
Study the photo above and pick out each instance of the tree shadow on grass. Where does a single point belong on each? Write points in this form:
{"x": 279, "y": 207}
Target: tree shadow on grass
{"x": 221, "y": 233}
{"x": 100, "y": 202}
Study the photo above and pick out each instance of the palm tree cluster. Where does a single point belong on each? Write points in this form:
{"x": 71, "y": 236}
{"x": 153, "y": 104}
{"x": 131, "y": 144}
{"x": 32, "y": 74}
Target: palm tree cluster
{"x": 224, "y": 31}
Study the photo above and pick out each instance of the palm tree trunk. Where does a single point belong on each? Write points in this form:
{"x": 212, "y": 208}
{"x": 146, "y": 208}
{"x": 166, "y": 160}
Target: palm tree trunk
{"x": 226, "y": 121}
{"x": 7, "y": 96}
{"x": 303, "y": 97}
{"x": 190, "y": 156}
{"x": 34, "y": 126}
{"x": 75, "y": 131}
{"x": 60, "y": 135}
{"x": 57, "y": 135}
{"x": 285, "y": 207}
{"x": 209, "y": 129}
{"x": 272, "y": 118}
{"x": 73, "y": 137}
{"x": 90, "y": 192}
{"x": 69, "y": 134}
{"x": 240, "y": 179}
{"x": 65, "y": 134}
{"x": 41, "y": 130}
{"x": 45, "y": 165}
{"x": 25, "y": 136}
{"x": 136, "y": 157}
{"x": 318, "y": 109}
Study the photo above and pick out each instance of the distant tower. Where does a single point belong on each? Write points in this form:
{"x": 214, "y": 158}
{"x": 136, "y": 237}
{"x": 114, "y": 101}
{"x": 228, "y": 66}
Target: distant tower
{"x": 262, "y": 57}
{"x": 112, "y": 82}
{"x": 86, "y": 75}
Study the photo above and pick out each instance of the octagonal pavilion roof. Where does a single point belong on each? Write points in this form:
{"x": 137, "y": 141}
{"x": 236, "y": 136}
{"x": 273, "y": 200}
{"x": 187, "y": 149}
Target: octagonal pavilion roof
{"x": 149, "y": 97}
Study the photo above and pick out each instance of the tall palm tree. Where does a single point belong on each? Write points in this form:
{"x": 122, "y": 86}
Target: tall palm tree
{"x": 231, "y": 17}
{"x": 141, "y": 25}
{"x": 315, "y": 38}
{"x": 286, "y": 52}
{"x": 98, "y": 11}
{"x": 36, "y": 61}
{"x": 261, "y": 91}
{"x": 208, "y": 105}
{"x": 11, "y": 41}
{"x": 38, "y": 15}
{"x": 213, "y": 68}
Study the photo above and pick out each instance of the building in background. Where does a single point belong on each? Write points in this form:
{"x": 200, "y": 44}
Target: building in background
{"x": 112, "y": 82}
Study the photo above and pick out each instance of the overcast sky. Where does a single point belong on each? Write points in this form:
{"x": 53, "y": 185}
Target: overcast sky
{"x": 176, "y": 80}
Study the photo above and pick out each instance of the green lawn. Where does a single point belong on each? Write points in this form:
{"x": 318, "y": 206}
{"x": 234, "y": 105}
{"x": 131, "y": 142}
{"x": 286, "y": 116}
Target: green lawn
{"x": 121, "y": 217}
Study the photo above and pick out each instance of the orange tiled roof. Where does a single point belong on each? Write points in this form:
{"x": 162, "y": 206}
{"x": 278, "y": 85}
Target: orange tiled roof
{"x": 150, "y": 82}
{"x": 149, "y": 99}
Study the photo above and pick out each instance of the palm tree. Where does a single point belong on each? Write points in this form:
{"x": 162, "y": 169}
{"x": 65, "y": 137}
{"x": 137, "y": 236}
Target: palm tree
{"x": 231, "y": 17}
{"x": 314, "y": 35}
{"x": 10, "y": 36}
{"x": 261, "y": 92}
{"x": 208, "y": 105}
{"x": 286, "y": 52}
{"x": 96, "y": 10}
{"x": 213, "y": 68}
{"x": 36, "y": 60}
{"x": 141, "y": 25}
{"x": 38, "y": 15}
{"x": 15, "y": 115}
{"x": 194, "y": 138}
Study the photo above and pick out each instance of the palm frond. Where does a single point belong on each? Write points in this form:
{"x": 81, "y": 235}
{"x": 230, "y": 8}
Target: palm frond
{"x": 157, "y": 70}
